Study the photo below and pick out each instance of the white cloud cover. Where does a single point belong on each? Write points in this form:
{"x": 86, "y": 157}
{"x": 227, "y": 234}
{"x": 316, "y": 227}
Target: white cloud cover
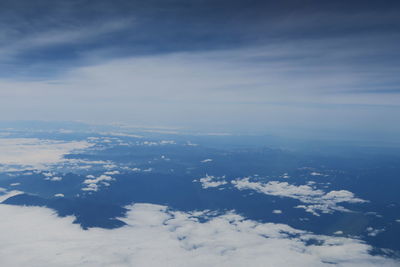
{"x": 155, "y": 236}
{"x": 316, "y": 200}
{"x": 33, "y": 153}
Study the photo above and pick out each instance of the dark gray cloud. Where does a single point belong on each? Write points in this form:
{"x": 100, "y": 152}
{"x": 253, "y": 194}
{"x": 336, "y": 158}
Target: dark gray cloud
{"x": 148, "y": 27}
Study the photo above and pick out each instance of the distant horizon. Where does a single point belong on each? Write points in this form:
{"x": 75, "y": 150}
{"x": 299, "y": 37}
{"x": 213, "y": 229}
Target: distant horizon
{"x": 121, "y": 127}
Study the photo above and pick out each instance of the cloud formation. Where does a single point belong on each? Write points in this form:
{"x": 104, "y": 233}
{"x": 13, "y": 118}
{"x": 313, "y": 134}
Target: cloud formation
{"x": 212, "y": 181}
{"x": 33, "y": 153}
{"x": 157, "y": 236}
{"x": 93, "y": 183}
{"x": 315, "y": 200}
{"x": 275, "y": 85}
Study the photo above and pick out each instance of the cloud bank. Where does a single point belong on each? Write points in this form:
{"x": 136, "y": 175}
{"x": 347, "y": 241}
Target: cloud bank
{"x": 157, "y": 236}
{"x": 35, "y": 153}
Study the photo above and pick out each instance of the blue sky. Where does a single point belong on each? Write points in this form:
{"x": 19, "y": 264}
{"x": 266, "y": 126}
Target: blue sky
{"x": 324, "y": 69}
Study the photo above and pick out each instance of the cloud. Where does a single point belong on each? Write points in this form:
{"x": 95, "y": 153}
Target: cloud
{"x": 112, "y": 173}
{"x": 33, "y": 153}
{"x": 156, "y": 236}
{"x": 316, "y": 200}
{"x": 212, "y": 181}
{"x": 374, "y": 232}
{"x": 275, "y": 85}
{"x": 156, "y": 143}
{"x": 58, "y": 36}
{"x": 93, "y": 183}
{"x": 54, "y": 179}
{"x": 7, "y": 194}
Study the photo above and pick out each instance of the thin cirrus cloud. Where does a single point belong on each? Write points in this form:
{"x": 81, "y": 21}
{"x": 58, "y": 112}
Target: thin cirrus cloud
{"x": 156, "y": 236}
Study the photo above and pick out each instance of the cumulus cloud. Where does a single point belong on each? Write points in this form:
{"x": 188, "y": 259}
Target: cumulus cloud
{"x": 156, "y": 236}
{"x": 212, "y": 181}
{"x": 374, "y": 232}
{"x": 33, "y": 153}
{"x": 93, "y": 183}
{"x": 54, "y": 178}
{"x": 316, "y": 200}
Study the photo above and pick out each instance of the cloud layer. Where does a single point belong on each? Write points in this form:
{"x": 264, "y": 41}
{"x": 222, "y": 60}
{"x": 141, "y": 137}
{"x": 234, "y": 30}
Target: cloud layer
{"x": 156, "y": 236}
{"x": 35, "y": 153}
{"x": 270, "y": 87}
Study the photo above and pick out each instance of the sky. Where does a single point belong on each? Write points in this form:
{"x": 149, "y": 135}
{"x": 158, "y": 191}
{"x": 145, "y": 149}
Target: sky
{"x": 319, "y": 69}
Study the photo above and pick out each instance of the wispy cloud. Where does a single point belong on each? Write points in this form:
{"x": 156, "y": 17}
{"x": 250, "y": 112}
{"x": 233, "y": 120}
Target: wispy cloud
{"x": 66, "y": 36}
{"x": 296, "y": 85}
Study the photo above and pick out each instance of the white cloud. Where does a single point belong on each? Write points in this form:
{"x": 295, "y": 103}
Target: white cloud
{"x": 156, "y": 143}
{"x": 155, "y": 236}
{"x": 122, "y": 134}
{"x": 206, "y": 160}
{"x": 374, "y": 232}
{"x": 5, "y": 194}
{"x": 33, "y": 153}
{"x": 98, "y": 179}
{"x": 54, "y": 179}
{"x": 167, "y": 142}
{"x": 285, "y": 176}
{"x": 93, "y": 183}
{"x": 277, "y": 211}
{"x": 212, "y": 181}
{"x": 316, "y": 174}
{"x": 316, "y": 200}
{"x": 188, "y": 143}
{"x": 111, "y": 172}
